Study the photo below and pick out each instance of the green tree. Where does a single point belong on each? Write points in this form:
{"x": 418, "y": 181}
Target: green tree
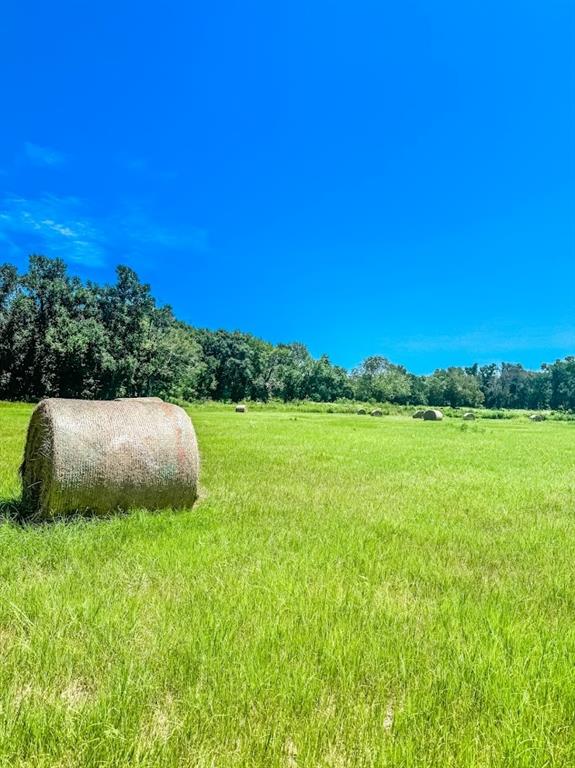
{"x": 455, "y": 387}
{"x": 378, "y": 379}
{"x": 562, "y": 383}
{"x": 324, "y": 382}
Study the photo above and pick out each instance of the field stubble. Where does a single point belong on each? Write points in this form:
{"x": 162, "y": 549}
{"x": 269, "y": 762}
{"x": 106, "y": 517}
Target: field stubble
{"x": 349, "y": 592}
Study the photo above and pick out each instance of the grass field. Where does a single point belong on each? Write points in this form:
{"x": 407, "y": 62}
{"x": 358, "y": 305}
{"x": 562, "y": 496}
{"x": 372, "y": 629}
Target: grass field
{"x": 349, "y": 592}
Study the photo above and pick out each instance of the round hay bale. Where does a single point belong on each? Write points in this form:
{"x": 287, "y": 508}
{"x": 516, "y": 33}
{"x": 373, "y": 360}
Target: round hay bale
{"x": 469, "y": 416}
{"x": 361, "y": 412}
{"x": 241, "y": 409}
{"x": 432, "y": 414}
{"x": 139, "y": 399}
{"x": 418, "y": 414}
{"x": 376, "y": 412}
{"x": 101, "y": 456}
{"x": 537, "y": 417}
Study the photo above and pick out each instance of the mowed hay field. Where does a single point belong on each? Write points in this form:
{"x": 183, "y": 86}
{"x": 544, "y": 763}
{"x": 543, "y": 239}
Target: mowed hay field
{"x": 349, "y": 592}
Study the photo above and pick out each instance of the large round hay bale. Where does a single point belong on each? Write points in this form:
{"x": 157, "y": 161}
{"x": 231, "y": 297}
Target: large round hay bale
{"x": 537, "y": 417}
{"x": 432, "y": 414}
{"x": 241, "y": 409}
{"x": 376, "y": 412}
{"x": 361, "y": 412}
{"x": 469, "y": 416}
{"x": 418, "y": 414}
{"x": 100, "y": 456}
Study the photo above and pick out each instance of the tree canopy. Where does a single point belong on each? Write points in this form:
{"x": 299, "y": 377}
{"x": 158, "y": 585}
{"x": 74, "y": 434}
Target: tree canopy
{"x": 60, "y": 337}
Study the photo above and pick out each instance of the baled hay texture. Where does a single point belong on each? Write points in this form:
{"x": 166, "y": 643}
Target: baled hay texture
{"x": 468, "y": 416}
{"x": 241, "y": 409}
{"x": 432, "y": 415}
{"x": 377, "y": 412}
{"x": 140, "y": 399}
{"x": 360, "y": 411}
{"x": 418, "y": 414}
{"x": 537, "y": 417}
{"x": 101, "y": 456}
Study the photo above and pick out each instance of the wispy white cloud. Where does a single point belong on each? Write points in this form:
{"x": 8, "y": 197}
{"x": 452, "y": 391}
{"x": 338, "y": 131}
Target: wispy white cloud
{"x": 53, "y": 225}
{"x": 39, "y": 155}
{"x": 60, "y": 226}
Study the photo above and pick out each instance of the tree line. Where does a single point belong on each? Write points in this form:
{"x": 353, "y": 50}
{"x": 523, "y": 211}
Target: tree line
{"x": 61, "y": 337}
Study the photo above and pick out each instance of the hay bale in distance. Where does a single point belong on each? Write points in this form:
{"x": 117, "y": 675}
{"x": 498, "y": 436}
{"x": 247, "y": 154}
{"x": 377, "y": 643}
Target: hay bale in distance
{"x": 101, "y": 456}
{"x": 361, "y": 411}
{"x": 537, "y": 417}
{"x": 418, "y": 414}
{"x": 432, "y": 414}
{"x": 241, "y": 408}
{"x": 469, "y": 416}
{"x": 376, "y": 412}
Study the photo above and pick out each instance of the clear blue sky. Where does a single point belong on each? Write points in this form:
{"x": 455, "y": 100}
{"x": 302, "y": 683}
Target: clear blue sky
{"x": 365, "y": 177}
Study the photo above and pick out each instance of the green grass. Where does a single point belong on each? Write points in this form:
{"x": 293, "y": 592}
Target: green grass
{"x": 349, "y": 592}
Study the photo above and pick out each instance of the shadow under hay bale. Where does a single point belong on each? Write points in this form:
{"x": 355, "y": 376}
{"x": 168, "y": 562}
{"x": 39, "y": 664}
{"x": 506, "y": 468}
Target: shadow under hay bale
{"x": 11, "y": 508}
{"x": 432, "y": 414}
{"x": 376, "y": 412}
{"x": 241, "y": 409}
{"x": 104, "y": 456}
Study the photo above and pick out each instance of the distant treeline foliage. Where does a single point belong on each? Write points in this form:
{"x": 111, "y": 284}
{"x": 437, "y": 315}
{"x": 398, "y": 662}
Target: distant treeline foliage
{"x": 61, "y": 337}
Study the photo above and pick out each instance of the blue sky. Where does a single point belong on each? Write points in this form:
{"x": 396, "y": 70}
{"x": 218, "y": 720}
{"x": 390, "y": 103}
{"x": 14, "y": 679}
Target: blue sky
{"x": 366, "y": 177}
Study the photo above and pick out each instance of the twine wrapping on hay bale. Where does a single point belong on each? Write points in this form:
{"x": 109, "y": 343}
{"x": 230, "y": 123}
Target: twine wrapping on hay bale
{"x": 418, "y": 414}
{"x": 100, "y": 456}
{"x": 469, "y": 416}
{"x": 432, "y": 415}
{"x": 241, "y": 409}
{"x": 376, "y": 412}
